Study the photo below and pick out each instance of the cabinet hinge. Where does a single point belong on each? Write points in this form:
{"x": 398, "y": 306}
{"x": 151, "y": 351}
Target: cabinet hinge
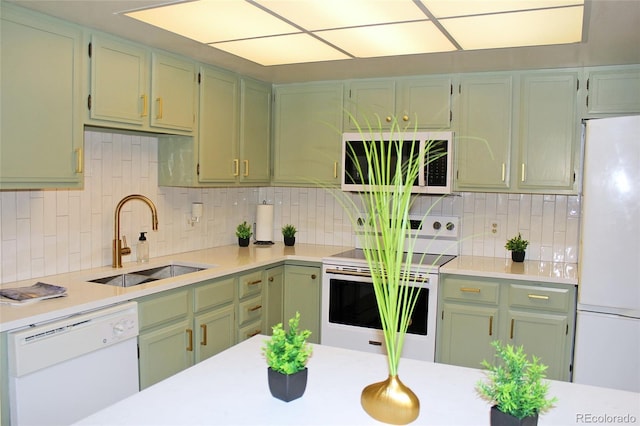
{"x": 459, "y": 88}
{"x": 442, "y": 316}
{"x": 450, "y": 116}
{"x": 574, "y": 177}
{"x": 567, "y": 329}
{"x": 349, "y": 93}
{"x": 199, "y": 78}
{"x": 89, "y": 102}
{"x": 587, "y": 84}
{"x": 89, "y": 49}
{"x": 451, "y": 87}
{"x": 577, "y": 85}
{"x": 457, "y": 174}
{"x": 198, "y": 169}
{"x": 587, "y": 102}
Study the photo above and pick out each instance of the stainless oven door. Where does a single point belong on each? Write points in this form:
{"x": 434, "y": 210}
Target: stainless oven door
{"x": 350, "y": 316}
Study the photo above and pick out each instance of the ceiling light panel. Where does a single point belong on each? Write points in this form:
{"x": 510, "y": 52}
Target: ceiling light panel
{"x": 316, "y": 15}
{"x": 530, "y": 28}
{"x": 451, "y": 8}
{"x": 210, "y": 21}
{"x": 389, "y": 40}
{"x": 286, "y": 49}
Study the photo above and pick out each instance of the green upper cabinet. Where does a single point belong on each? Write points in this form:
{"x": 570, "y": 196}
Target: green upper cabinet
{"x": 255, "y": 131}
{"x": 173, "y": 92}
{"x": 218, "y": 131}
{"x": 422, "y": 102}
{"x": 370, "y": 104}
{"x": 41, "y": 128}
{"x": 307, "y": 133}
{"x": 548, "y": 133}
{"x": 613, "y": 91}
{"x": 119, "y": 81}
{"x": 483, "y": 139}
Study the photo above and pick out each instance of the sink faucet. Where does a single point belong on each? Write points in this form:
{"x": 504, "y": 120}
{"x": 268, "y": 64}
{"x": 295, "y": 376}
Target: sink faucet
{"x": 118, "y": 250}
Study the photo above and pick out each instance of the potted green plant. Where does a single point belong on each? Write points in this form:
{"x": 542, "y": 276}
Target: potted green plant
{"x": 515, "y": 386}
{"x": 517, "y": 246}
{"x": 287, "y": 353}
{"x": 289, "y": 234}
{"x": 243, "y": 232}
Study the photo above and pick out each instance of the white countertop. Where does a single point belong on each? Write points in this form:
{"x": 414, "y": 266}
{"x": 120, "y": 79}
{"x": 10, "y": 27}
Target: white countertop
{"x": 85, "y": 296}
{"x": 231, "y": 389}
{"x": 529, "y": 270}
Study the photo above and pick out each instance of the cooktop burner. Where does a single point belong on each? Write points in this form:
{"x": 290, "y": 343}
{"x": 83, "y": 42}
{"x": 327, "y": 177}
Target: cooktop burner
{"x": 418, "y": 259}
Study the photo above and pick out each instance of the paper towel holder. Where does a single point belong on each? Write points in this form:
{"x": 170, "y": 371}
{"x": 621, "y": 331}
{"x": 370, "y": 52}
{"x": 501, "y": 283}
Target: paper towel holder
{"x": 263, "y": 238}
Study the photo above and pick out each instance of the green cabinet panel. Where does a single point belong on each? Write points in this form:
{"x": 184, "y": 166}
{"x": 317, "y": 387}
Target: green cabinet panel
{"x": 41, "y": 140}
{"x": 549, "y": 135}
{"x": 613, "y": 90}
{"x": 274, "y": 313}
{"x": 250, "y": 306}
{"x": 255, "y": 131}
{"x": 165, "y": 307}
{"x": 475, "y": 311}
{"x": 302, "y": 286}
{"x": 307, "y": 133}
{"x": 483, "y": 141}
{"x": 163, "y": 352}
{"x": 173, "y": 92}
{"x": 218, "y": 132}
{"x": 119, "y": 81}
{"x": 424, "y": 102}
{"x": 214, "y": 332}
{"x": 371, "y": 104}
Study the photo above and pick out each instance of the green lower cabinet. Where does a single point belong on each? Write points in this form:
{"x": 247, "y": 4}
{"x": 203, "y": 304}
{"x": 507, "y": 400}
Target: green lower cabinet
{"x": 302, "y": 285}
{"x": 213, "y": 332}
{"x": 476, "y": 311}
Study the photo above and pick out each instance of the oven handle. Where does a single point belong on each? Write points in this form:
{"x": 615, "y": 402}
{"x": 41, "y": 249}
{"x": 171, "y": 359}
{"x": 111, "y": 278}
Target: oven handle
{"x": 368, "y": 275}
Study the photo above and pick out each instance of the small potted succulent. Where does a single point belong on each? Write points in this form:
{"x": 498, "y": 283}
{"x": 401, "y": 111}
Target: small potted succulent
{"x": 243, "y": 232}
{"x": 287, "y": 353}
{"x": 289, "y": 234}
{"x": 515, "y": 386}
{"x": 517, "y": 246}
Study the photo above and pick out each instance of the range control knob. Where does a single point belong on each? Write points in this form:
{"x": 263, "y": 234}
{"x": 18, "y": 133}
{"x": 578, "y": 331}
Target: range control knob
{"x": 437, "y": 225}
{"x": 118, "y": 328}
{"x": 450, "y": 226}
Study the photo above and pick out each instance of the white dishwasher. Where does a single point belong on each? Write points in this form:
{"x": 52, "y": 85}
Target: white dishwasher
{"x": 62, "y": 371}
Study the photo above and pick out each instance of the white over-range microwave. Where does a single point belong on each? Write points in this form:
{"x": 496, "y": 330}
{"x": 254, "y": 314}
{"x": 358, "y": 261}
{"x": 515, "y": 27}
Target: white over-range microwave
{"x": 435, "y": 150}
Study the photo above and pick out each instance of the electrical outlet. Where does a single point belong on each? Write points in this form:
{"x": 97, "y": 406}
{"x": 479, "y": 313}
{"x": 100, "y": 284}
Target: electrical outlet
{"x": 493, "y": 226}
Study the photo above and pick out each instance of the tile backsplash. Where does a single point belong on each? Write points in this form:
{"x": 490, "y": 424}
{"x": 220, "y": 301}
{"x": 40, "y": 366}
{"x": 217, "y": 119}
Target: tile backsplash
{"x": 46, "y": 232}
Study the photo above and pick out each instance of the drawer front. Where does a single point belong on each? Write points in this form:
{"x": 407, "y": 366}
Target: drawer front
{"x": 250, "y": 310}
{"x": 169, "y": 307}
{"x": 213, "y": 294}
{"x": 538, "y": 297}
{"x": 250, "y": 284}
{"x": 471, "y": 290}
{"x": 249, "y": 330}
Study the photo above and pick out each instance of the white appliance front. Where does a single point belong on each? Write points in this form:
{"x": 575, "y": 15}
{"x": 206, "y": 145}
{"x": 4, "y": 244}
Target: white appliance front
{"x": 607, "y": 346}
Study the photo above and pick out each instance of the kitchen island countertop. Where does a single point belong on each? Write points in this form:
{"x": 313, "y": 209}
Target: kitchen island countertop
{"x": 231, "y": 389}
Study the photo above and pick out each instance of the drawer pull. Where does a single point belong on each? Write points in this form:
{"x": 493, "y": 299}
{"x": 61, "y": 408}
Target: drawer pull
{"x": 255, "y": 308}
{"x": 254, "y": 282}
{"x": 270, "y": 279}
{"x": 469, "y": 290}
{"x": 190, "y": 344}
{"x": 203, "y": 342}
{"x": 538, "y": 296}
{"x": 375, "y": 343}
{"x": 254, "y": 333}
{"x": 491, "y": 325}
{"x": 313, "y": 276}
{"x": 511, "y": 332}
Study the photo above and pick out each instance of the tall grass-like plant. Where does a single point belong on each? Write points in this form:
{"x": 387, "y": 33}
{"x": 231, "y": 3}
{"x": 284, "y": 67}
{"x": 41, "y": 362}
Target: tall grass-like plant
{"x": 386, "y": 205}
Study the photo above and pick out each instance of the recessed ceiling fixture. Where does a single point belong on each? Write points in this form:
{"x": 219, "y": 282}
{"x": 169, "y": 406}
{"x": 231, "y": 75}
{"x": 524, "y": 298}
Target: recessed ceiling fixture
{"x": 276, "y": 32}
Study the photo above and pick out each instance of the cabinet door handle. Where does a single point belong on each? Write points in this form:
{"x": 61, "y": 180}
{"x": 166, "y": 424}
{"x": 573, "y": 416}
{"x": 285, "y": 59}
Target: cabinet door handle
{"x": 190, "y": 336}
{"x": 79, "y": 160}
{"x": 246, "y": 167}
{"x": 375, "y": 343}
{"x": 511, "y": 332}
{"x": 504, "y": 170}
{"x": 523, "y": 176}
{"x": 159, "y": 115}
{"x": 145, "y": 106}
{"x": 313, "y": 276}
{"x": 335, "y": 170}
{"x": 469, "y": 289}
{"x": 491, "y": 325}
{"x": 236, "y": 167}
{"x": 388, "y": 119}
{"x": 255, "y": 308}
{"x": 405, "y": 118}
{"x": 270, "y": 279}
{"x": 538, "y": 296}
{"x": 254, "y": 282}
{"x": 203, "y": 327}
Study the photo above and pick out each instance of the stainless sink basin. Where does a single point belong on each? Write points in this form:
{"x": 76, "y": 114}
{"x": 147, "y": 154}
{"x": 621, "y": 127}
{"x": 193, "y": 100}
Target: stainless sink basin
{"x": 146, "y": 275}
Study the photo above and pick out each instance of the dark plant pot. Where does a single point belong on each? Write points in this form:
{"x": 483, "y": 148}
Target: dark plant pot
{"x": 289, "y": 241}
{"x": 498, "y": 418}
{"x": 287, "y": 387}
{"x": 517, "y": 256}
{"x": 243, "y": 242}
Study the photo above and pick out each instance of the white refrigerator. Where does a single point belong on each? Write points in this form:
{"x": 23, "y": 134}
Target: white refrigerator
{"x": 607, "y": 347}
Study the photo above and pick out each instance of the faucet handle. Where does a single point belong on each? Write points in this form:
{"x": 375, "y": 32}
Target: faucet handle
{"x": 125, "y": 250}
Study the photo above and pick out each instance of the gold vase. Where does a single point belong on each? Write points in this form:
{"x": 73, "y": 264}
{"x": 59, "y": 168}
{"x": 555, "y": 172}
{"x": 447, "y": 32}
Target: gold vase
{"x": 390, "y": 401}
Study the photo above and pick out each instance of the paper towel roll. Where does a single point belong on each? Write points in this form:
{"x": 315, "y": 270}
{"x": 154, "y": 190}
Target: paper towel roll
{"x": 264, "y": 223}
